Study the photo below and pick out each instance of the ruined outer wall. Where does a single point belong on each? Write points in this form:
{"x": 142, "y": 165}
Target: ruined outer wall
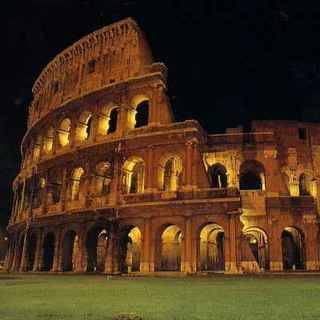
{"x": 119, "y": 52}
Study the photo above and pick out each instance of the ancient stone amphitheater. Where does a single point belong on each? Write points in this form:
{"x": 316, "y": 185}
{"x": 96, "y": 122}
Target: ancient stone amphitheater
{"x": 110, "y": 183}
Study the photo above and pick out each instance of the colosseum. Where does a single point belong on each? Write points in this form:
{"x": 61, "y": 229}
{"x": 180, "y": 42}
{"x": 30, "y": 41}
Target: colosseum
{"x": 110, "y": 183}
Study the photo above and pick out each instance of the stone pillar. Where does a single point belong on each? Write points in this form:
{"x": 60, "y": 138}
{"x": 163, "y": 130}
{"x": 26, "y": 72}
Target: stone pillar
{"x": 112, "y": 258}
{"x": 232, "y": 244}
{"x": 115, "y": 188}
{"x": 275, "y": 245}
{"x": 9, "y": 256}
{"x": 15, "y": 252}
{"x": 56, "y": 267}
{"x": 24, "y": 255}
{"x": 311, "y": 244}
{"x": 188, "y": 245}
{"x": 81, "y": 266}
{"x": 64, "y": 189}
{"x": 22, "y": 197}
{"x": 146, "y": 244}
{"x": 94, "y": 126}
{"x": 38, "y": 259}
{"x": 149, "y": 171}
{"x": 108, "y": 266}
{"x": 188, "y": 166}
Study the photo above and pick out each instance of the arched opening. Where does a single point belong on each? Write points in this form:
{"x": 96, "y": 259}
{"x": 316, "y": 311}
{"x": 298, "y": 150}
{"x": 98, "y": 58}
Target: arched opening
{"x": 48, "y": 251}
{"x": 133, "y": 175}
{"x": 108, "y": 120}
{"x": 48, "y": 141}
{"x": 257, "y": 243}
{"x": 130, "y": 250}
{"x": 218, "y": 176}
{"x": 83, "y": 130}
{"x": 113, "y": 119}
{"x": 38, "y": 192}
{"x": 37, "y": 149}
{"x": 142, "y": 114}
{"x": 170, "y": 249}
{"x": 31, "y": 251}
{"x": 54, "y": 186}
{"x": 171, "y": 174}
{"x": 293, "y": 249}
{"x": 102, "y": 178}
{"x": 252, "y": 175}
{"x": 304, "y": 185}
{"x": 64, "y": 132}
{"x": 70, "y": 251}
{"x": 96, "y": 244}
{"x": 75, "y": 183}
{"x": 212, "y": 248}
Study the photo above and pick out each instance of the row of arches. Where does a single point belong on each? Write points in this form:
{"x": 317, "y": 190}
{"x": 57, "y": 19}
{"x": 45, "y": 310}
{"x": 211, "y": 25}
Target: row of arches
{"x": 254, "y": 248}
{"x": 106, "y": 122}
{"x": 252, "y": 177}
{"x": 80, "y": 183}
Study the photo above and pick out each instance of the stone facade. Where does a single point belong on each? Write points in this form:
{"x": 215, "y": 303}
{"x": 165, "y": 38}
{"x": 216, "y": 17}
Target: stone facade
{"x": 110, "y": 183}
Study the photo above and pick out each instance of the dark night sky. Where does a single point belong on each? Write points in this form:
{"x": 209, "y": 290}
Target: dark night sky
{"x": 229, "y": 61}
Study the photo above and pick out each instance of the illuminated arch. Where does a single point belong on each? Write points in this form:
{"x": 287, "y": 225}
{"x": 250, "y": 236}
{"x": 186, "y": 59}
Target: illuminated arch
{"x": 133, "y": 175}
{"x": 139, "y": 115}
{"x": 83, "y": 130}
{"x": 97, "y": 240}
{"x": 170, "y": 173}
{"x": 170, "y": 249}
{"x": 64, "y": 132}
{"x": 130, "y": 249}
{"x": 257, "y": 242}
{"x": 75, "y": 183}
{"x": 37, "y": 148}
{"x": 48, "y": 141}
{"x": 108, "y": 120}
{"x": 212, "y": 248}
{"x": 102, "y": 178}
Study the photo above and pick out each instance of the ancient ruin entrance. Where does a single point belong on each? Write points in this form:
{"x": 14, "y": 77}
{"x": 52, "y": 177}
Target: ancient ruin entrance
{"x": 212, "y": 248}
{"x": 130, "y": 249}
{"x": 170, "y": 249}
{"x": 48, "y": 251}
{"x": 70, "y": 251}
{"x": 256, "y": 242}
{"x": 293, "y": 249}
{"x": 31, "y": 250}
{"x": 96, "y": 245}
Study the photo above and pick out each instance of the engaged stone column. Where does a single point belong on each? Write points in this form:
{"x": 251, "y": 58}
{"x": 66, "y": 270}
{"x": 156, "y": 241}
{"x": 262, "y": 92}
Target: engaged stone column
{"x": 275, "y": 246}
{"x": 231, "y": 243}
{"x": 56, "y": 267}
{"x": 38, "y": 254}
{"x": 188, "y": 245}
{"x": 24, "y": 255}
{"x": 311, "y": 245}
{"x": 145, "y": 262}
{"x": 149, "y": 171}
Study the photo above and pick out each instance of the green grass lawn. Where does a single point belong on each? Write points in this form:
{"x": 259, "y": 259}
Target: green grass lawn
{"x": 33, "y": 297}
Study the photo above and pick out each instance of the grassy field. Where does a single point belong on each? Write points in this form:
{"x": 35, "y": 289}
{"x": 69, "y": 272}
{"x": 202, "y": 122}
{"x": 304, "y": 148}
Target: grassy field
{"x": 33, "y": 297}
